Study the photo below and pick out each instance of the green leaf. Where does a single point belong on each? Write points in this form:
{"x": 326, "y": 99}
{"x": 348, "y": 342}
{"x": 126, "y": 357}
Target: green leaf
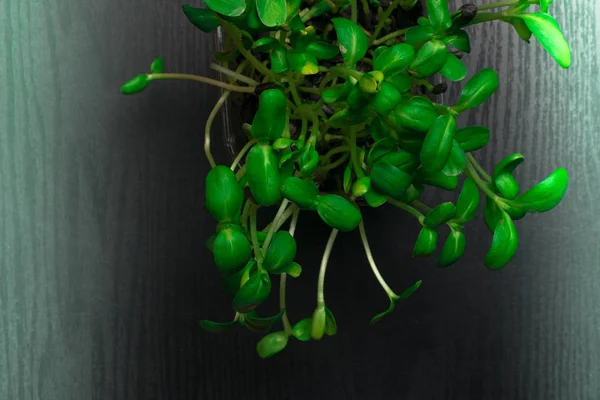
{"x": 477, "y": 90}
{"x": 265, "y": 44}
{"x": 426, "y": 243}
{"x": 293, "y": 269}
{"x": 394, "y": 59}
{"x": 281, "y": 252}
{"x": 264, "y": 323}
{"x": 378, "y": 51}
{"x": 338, "y": 212}
{"x": 390, "y": 180}
{"x": 439, "y": 15}
{"x": 318, "y": 323}
{"x": 352, "y": 40}
{"x": 272, "y": 344}
{"x": 348, "y": 178}
{"x": 437, "y": 145}
{"x": 418, "y": 114}
{"x": 272, "y": 12}
{"x": 374, "y": 198}
{"x": 419, "y": 34}
{"x": 504, "y": 243}
{"x": 217, "y": 327}
{"x": 322, "y": 50}
{"x": 232, "y": 283}
{"x": 224, "y": 196}
{"x": 330, "y": 324}
{"x": 230, "y": 8}
{"x": 301, "y": 330}
{"x": 231, "y": 249}
{"x": 403, "y": 160}
{"x": 453, "y": 249}
{"x": 279, "y": 60}
{"x": 436, "y": 179}
{"x": 252, "y": 293}
{"x": 381, "y": 148}
{"x": 304, "y": 193}
{"x": 472, "y": 138}
{"x": 263, "y": 175}
{"x": 136, "y": 84}
{"x": 520, "y": 26}
{"x": 378, "y": 130}
{"x": 459, "y": 40}
{"x": 292, "y": 8}
{"x": 303, "y": 63}
{"x": 347, "y": 117}
{"x": 457, "y": 162}
{"x": 309, "y": 159}
{"x": 402, "y": 82}
{"x": 339, "y": 93}
{"x": 386, "y": 99}
{"x": 429, "y": 60}
{"x": 547, "y": 31}
{"x": 379, "y": 316}
{"x": 270, "y": 121}
{"x": 544, "y": 5}
{"x": 440, "y": 215}
{"x": 404, "y": 295}
{"x": 202, "y": 18}
{"x": 157, "y": 66}
{"x": 468, "y": 201}
{"x": 361, "y": 186}
{"x": 413, "y": 192}
{"x": 507, "y": 165}
{"x": 547, "y": 194}
{"x": 491, "y": 213}
{"x": 507, "y": 185}
{"x": 282, "y": 143}
{"x": 454, "y": 69}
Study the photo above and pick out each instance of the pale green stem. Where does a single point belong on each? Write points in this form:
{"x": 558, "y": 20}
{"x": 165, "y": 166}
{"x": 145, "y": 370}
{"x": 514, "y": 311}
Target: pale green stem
{"x": 267, "y": 242}
{"x": 382, "y": 20}
{"x": 353, "y": 153}
{"x": 282, "y": 281}
{"x": 389, "y": 36}
{"x": 253, "y": 236}
{"x": 472, "y": 174}
{"x": 203, "y": 79}
{"x": 292, "y": 83}
{"x": 354, "y": 11}
{"x": 478, "y": 167}
{"x": 382, "y": 282}
{"x": 233, "y": 74}
{"x": 407, "y": 208}
{"x": 241, "y": 154}
{"x": 208, "y": 126}
{"x": 323, "y": 270}
{"x": 334, "y": 164}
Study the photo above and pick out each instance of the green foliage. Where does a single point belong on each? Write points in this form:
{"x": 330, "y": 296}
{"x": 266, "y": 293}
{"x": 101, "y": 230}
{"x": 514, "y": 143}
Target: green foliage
{"x": 337, "y": 124}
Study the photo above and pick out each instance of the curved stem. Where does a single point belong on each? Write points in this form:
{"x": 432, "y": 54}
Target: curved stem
{"x": 353, "y": 11}
{"x": 292, "y": 83}
{"x": 323, "y": 270}
{"x": 203, "y": 79}
{"x": 282, "y": 281}
{"x": 365, "y": 242}
{"x": 471, "y": 174}
{"x": 267, "y": 242}
{"x": 353, "y": 153}
{"x": 208, "y": 126}
{"x": 253, "y": 236}
{"x": 336, "y": 150}
{"x": 382, "y": 20}
{"x": 233, "y": 74}
{"x": 334, "y": 164}
{"x": 241, "y": 154}
{"x": 478, "y": 167}
{"x": 245, "y": 212}
{"x": 389, "y": 36}
{"x": 407, "y": 208}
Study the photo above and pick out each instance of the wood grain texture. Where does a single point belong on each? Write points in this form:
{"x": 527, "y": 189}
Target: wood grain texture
{"x": 103, "y": 272}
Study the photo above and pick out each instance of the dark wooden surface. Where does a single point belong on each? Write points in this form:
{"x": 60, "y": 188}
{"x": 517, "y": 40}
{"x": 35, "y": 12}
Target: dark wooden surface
{"x": 103, "y": 272}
